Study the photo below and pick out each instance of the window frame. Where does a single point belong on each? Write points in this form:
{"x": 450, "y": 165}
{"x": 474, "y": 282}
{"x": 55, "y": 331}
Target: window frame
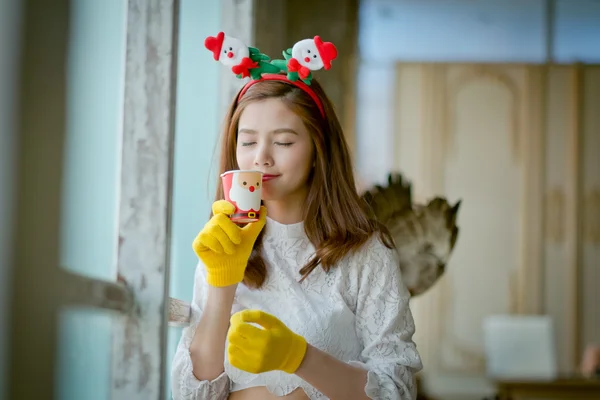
{"x": 41, "y": 288}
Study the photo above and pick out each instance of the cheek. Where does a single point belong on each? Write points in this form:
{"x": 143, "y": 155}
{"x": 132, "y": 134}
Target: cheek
{"x": 301, "y": 160}
{"x": 244, "y": 158}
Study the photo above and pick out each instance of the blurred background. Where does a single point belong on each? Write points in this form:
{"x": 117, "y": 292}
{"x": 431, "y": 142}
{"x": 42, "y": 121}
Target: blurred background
{"x": 110, "y": 113}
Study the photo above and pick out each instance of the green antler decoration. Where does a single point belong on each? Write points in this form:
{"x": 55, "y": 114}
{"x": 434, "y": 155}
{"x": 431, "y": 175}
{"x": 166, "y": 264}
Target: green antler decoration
{"x": 291, "y": 75}
{"x": 264, "y": 63}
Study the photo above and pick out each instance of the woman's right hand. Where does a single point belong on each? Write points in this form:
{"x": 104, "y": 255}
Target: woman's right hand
{"x": 224, "y": 247}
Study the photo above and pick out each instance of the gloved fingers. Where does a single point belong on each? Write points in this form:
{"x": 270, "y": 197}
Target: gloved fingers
{"x": 236, "y": 319}
{"x": 197, "y": 245}
{"x": 223, "y": 207}
{"x": 236, "y": 355}
{"x": 232, "y": 231}
{"x": 249, "y": 361}
{"x": 224, "y": 241}
{"x": 262, "y": 214}
{"x": 246, "y": 333}
{"x": 210, "y": 242}
{"x": 260, "y": 317}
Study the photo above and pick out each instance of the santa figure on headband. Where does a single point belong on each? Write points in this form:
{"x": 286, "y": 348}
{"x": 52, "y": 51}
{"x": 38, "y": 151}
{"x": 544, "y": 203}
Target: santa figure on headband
{"x": 311, "y": 55}
{"x": 244, "y": 61}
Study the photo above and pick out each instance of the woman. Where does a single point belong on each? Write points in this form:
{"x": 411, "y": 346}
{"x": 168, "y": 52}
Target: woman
{"x": 308, "y": 302}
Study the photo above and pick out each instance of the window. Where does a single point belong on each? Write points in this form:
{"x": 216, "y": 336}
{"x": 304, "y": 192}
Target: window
{"x": 456, "y": 31}
{"x": 96, "y": 237}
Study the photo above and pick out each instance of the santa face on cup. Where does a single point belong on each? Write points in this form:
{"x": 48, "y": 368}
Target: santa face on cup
{"x": 244, "y": 190}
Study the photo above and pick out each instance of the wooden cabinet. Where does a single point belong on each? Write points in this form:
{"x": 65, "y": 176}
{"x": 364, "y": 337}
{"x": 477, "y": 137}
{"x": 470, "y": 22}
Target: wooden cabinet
{"x": 563, "y": 389}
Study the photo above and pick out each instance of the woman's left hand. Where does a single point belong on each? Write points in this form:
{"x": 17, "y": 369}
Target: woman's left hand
{"x": 256, "y": 350}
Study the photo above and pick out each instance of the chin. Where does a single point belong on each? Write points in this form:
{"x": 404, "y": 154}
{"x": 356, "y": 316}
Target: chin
{"x": 274, "y": 195}
{"x": 282, "y": 191}
{"x": 269, "y": 195}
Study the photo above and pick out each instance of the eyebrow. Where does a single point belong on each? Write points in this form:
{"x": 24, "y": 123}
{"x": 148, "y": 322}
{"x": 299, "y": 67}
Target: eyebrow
{"x": 275, "y": 131}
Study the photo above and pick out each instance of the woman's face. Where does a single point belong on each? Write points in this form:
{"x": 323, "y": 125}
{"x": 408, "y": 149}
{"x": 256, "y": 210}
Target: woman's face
{"x": 274, "y": 140}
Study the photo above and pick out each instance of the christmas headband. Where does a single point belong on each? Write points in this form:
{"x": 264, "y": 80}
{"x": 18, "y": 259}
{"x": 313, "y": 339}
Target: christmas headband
{"x": 296, "y": 68}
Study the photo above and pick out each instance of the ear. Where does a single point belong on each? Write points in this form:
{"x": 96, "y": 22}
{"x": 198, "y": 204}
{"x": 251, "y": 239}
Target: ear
{"x": 453, "y": 212}
{"x": 454, "y": 209}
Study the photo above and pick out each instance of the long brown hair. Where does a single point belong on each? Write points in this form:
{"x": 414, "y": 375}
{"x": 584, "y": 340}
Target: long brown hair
{"x": 336, "y": 220}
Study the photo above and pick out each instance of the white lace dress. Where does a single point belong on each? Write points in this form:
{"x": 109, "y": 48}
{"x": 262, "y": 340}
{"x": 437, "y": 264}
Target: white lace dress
{"x": 358, "y": 312}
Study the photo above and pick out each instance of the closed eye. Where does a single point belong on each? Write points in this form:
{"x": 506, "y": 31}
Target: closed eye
{"x": 248, "y": 143}
{"x": 284, "y": 144}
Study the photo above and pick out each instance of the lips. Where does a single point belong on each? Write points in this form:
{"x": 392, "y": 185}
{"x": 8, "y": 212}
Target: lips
{"x": 268, "y": 177}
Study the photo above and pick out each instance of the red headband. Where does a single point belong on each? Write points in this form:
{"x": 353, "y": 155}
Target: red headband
{"x": 283, "y": 78}
{"x": 305, "y": 56}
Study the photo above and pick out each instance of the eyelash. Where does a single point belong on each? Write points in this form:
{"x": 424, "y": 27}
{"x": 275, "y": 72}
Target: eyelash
{"x": 245, "y": 144}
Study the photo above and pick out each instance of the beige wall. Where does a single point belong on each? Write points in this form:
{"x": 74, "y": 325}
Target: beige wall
{"x": 519, "y": 144}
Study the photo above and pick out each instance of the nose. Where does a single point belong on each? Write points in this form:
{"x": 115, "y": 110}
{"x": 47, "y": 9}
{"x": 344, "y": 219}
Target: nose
{"x": 306, "y": 59}
{"x": 251, "y": 189}
{"x": 263, "y": 157}
{"x": 230, "y": 54}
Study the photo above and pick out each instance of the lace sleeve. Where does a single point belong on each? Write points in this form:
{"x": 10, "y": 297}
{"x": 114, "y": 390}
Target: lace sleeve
{"x": 385, "y": 325}
{"x": 184, "y": 384}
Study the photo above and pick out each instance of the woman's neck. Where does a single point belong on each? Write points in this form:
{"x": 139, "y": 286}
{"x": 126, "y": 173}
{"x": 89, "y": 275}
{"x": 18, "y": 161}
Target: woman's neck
{"x": 285, "y": 211}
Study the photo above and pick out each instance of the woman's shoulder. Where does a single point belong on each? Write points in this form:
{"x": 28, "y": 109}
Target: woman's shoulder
{"x": 375, "y": 268}
{"x": 376, "y": 248}
{"x": 375, "y": 256}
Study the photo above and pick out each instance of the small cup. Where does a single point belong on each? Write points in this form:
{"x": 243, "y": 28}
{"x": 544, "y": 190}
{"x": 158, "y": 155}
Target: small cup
{"x": 243, "y": 189}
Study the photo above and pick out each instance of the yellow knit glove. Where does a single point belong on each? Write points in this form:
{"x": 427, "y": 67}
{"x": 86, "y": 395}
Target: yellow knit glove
{"x": 224, "y": 247}
{"x": 257, "y": 350}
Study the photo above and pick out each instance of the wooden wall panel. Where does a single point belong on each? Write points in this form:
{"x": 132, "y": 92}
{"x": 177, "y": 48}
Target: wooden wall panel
{"x": 590, "y": 207}
{"x": 519, "y": 144}
{"x": 460, "y": 133}
{"x": 558, "y": 281}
